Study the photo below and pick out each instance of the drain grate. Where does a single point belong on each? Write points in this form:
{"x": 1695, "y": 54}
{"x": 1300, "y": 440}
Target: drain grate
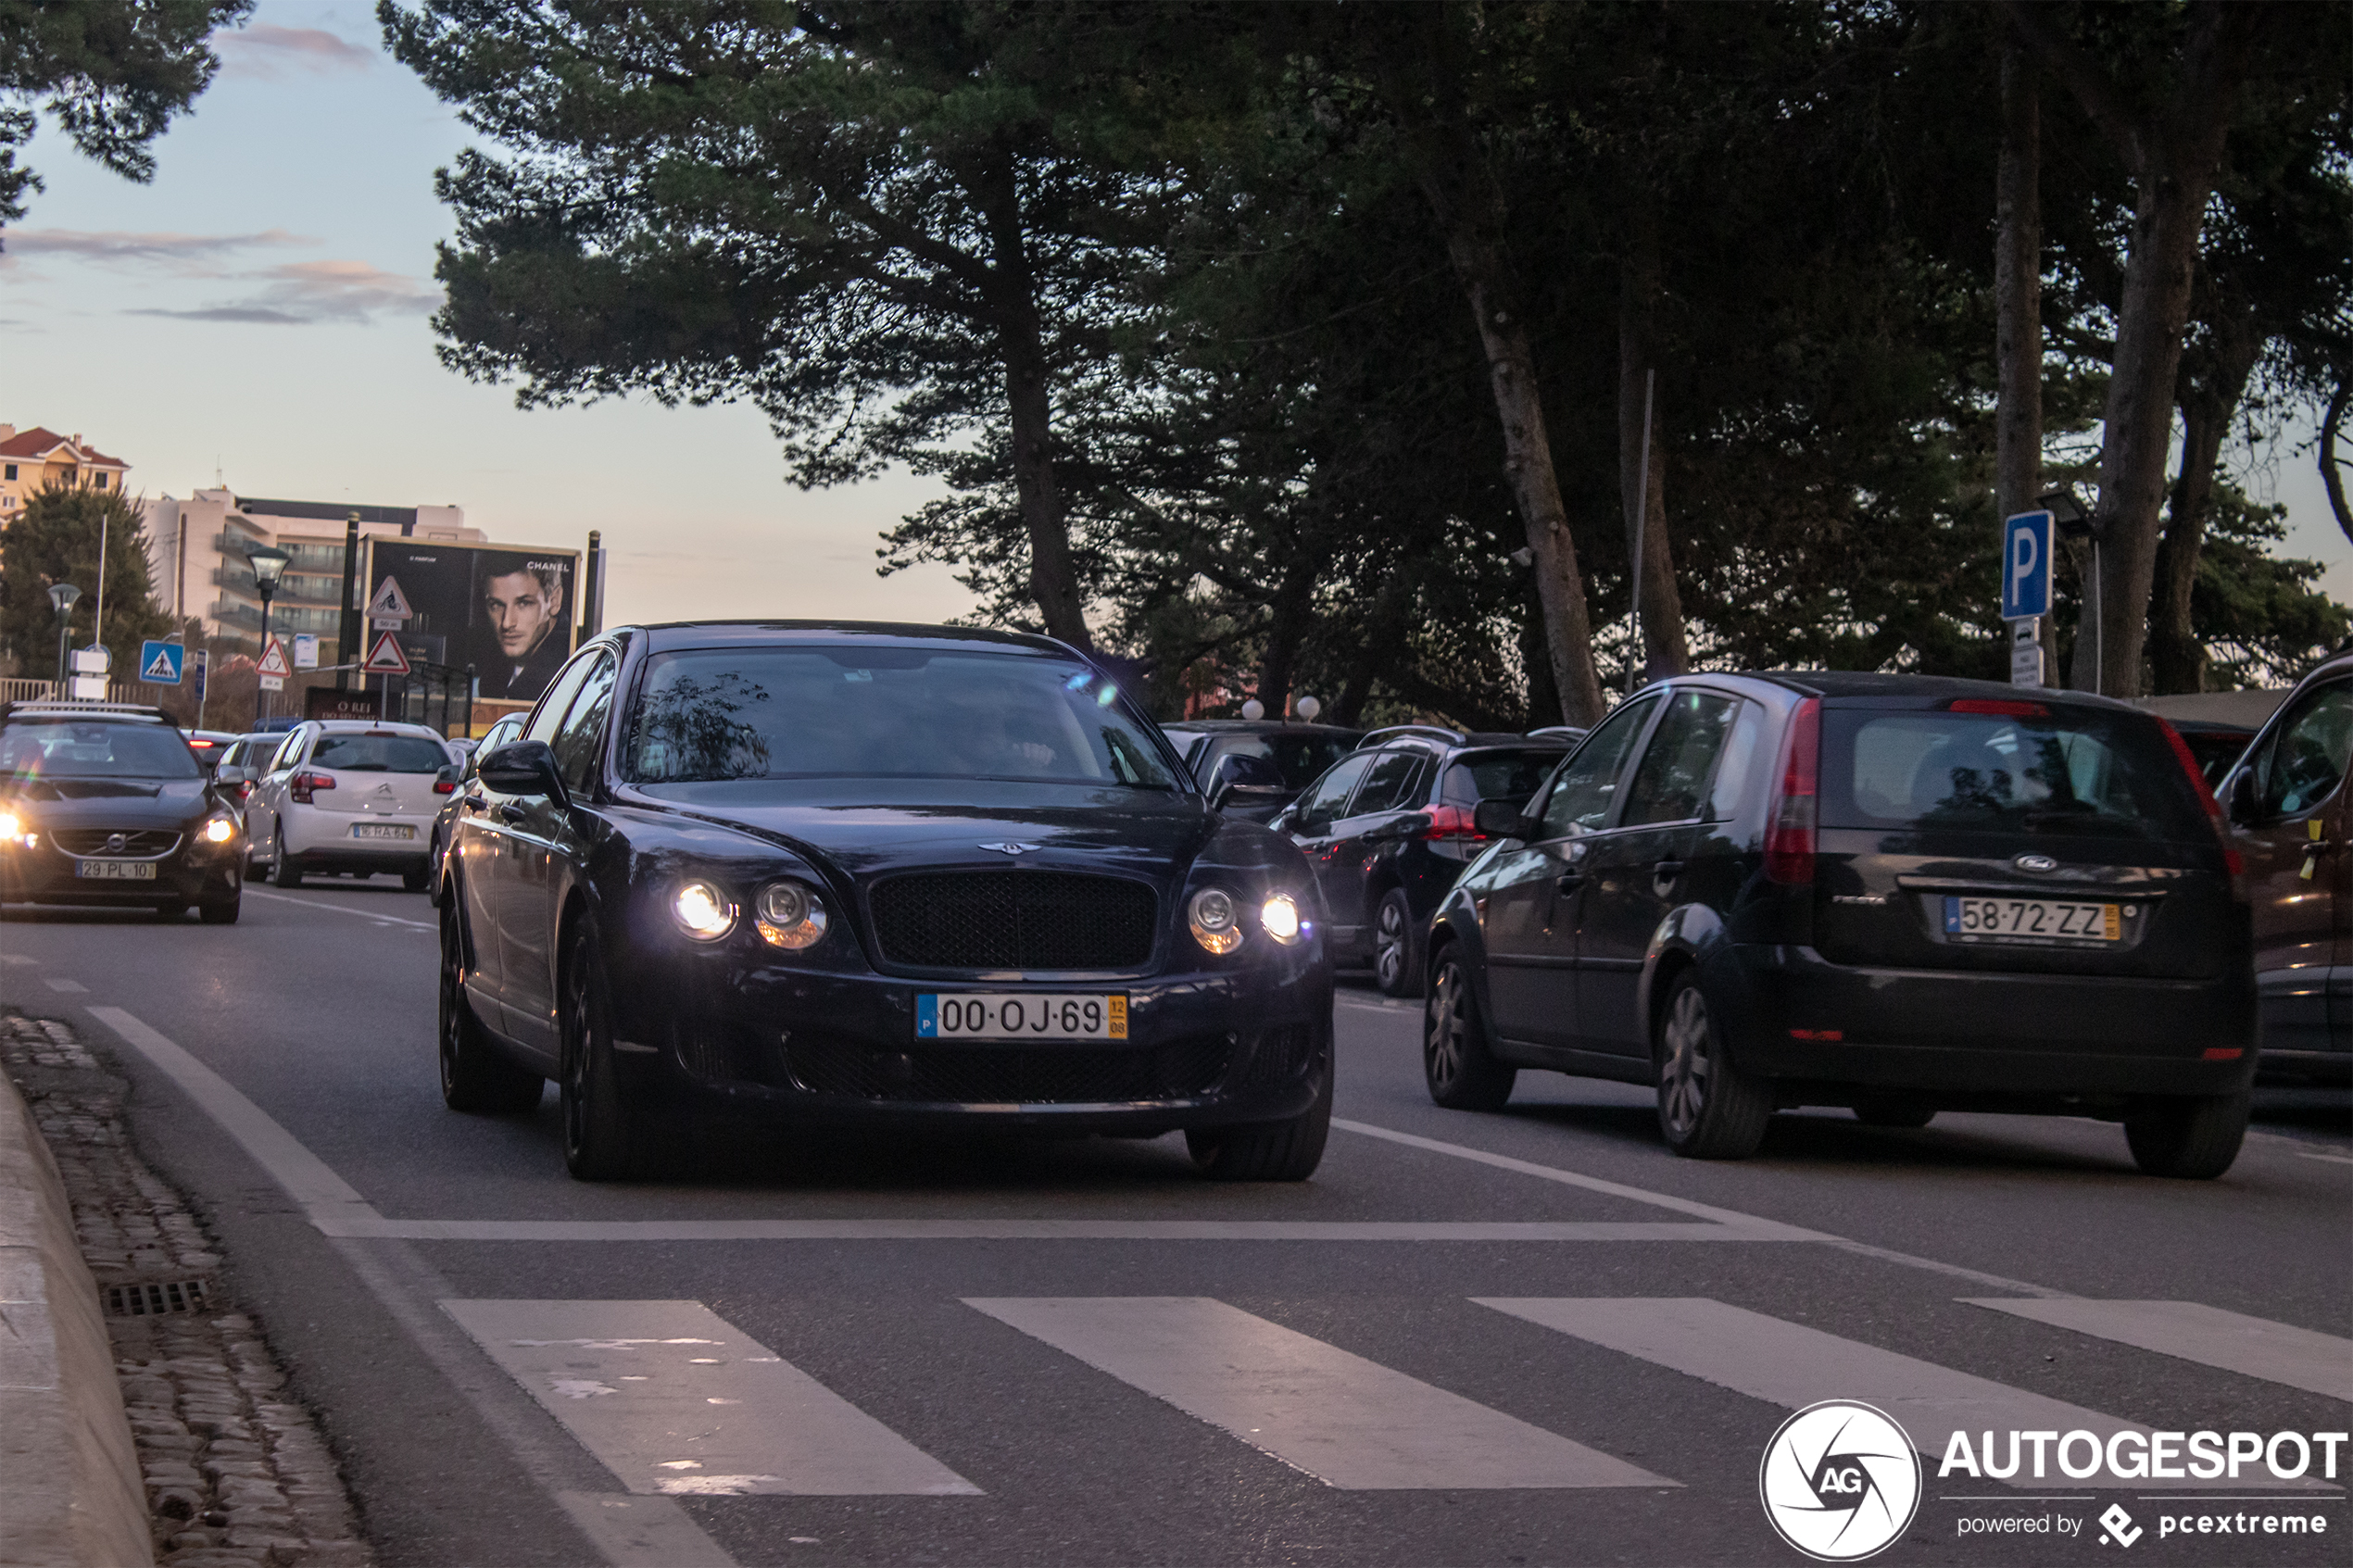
{"x": 156, "y": 1301}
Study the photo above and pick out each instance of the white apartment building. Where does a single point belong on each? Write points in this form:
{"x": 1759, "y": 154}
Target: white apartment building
{"x": 197, "y": 548}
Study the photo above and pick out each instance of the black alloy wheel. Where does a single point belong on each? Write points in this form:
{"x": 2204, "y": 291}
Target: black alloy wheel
{"x": 1462, "y": 1075}
{"x": 1707, "y": 1107}
{"x": 606, "y": 1135}
{"x": 2192, "y": 1137}
{"x": 1287, "y": 1151}
{"x": 473, "y": 1077}
{"x": 283, "y": 872}
{"x": 1397, "y": 963}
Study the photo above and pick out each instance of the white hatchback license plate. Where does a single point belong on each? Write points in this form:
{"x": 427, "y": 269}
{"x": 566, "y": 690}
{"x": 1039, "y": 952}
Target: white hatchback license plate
{"x": 116, "y": 871}
{"x": 2034, "y": 920}
{"x": 993, "y": 1015}
{"x": 383, "y": 830}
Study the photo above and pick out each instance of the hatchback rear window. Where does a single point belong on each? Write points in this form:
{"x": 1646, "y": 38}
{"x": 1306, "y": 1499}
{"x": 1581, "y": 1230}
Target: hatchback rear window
{"x": 1497, "y": 776}
{"x": 2059, "y": 772}
{"x": 379, "y": 753}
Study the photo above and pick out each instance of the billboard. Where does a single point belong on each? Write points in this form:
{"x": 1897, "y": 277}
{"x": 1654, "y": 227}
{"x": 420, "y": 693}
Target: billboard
{"x": 506, "y": 609}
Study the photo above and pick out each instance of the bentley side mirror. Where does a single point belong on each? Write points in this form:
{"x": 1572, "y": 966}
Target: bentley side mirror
{"x": 1255, "y": 776}
{"x": 1501, "y": 818}
{"x": 525, "y": 767}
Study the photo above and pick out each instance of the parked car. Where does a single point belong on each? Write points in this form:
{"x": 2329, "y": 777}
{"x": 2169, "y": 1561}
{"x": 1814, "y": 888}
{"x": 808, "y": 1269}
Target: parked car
{"x": 1901, "y": 894}
{"x": 1388, "y": 830}
{"x": 2289, "y": 818}
{"x": 349, "y": 796}
{"x": 103, "y": 804}
{"x": 208, "y": 745}
{"x": 243, "y": 761}
{"x": 1293, "y": 754}
{"x": 461, "y": 774}
{"x": 873, "y": 876}
{"x": 2216, "y": 745}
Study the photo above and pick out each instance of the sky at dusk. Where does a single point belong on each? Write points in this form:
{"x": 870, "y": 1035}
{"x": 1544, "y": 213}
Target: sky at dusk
{"x": 259, "y": 314}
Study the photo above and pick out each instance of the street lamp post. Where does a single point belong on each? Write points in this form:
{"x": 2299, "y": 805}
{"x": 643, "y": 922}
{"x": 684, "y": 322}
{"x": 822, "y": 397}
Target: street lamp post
{"x": 268, "y": 564}
{"x": 62, "y": 595}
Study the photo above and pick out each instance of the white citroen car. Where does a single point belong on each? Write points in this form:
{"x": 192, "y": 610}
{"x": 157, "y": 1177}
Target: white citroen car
{"x": 346, "y": 795}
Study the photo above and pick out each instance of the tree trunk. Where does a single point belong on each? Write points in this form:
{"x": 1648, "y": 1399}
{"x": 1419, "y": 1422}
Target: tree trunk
{"x": 1665, "y": 650}
{"x": 1286, "y": 629}
{"x": 2018, "y": 293}
{"x": 2173, "y": 152}
{"x": 1383, "y": 626}
{"x": 2177, "y": 659}
{"x": 1053, "y": 580}
{"x": 2331, "y": 480}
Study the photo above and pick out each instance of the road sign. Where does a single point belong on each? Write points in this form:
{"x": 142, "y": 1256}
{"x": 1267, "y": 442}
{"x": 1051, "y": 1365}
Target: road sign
{"x": 390, "y": 603}
{"x": 92, "y": 661}
{"x": 305, "y": 650}
{"x": 385, "y": 657}
{"x": 2026, "y": 655}
{"x": 2026, "y": 565}
{"x": 275, "y": 665}
{"x": 204, "y": 662}
{"x": 273, "y": 683}
{"x": 160, "y": 663}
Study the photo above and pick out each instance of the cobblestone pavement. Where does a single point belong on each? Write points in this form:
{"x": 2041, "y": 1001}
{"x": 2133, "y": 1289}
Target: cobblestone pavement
{"x": 237, "y": 1473}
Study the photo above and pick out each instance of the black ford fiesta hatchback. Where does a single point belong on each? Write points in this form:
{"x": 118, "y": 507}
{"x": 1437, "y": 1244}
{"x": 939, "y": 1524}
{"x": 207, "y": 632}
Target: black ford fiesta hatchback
{"x": 1900, "y": 893}
{"x": 873, "y": 874}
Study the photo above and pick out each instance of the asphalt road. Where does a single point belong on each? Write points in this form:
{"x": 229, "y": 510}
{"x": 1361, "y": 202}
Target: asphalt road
{"x": 1528, "y": 1337}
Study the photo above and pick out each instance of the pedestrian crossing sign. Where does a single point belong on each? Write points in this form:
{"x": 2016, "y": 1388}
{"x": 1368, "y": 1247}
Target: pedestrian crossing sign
{"x": 160, "y": 663}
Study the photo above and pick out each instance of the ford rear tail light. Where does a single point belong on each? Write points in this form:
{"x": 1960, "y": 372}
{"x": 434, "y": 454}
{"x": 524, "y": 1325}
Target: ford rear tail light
{"x": 301, "y": 785}
{"x": 1789, "y": 831}
{"x": 2231, "y": 859}
{"x": 1450, "y": 822}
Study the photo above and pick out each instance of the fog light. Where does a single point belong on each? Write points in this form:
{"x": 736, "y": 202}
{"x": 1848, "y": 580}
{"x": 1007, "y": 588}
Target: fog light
{"x": 219, "y": 830}
{"x": 1212, "y": 921}
{"x": 791, "y": 916}
{"x": 1279, "y": 916}
{"x": 702, "y": 911}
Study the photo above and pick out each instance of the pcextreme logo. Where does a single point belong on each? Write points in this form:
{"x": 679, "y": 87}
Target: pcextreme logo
{"x": 1840, "y": 1481}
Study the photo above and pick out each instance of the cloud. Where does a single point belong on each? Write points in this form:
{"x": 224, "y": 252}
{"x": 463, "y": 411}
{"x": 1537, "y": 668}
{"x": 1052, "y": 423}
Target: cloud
{"x": 306, "y": 292}
{"x": 264, "y": 50}
{"x": 193, "y": 255}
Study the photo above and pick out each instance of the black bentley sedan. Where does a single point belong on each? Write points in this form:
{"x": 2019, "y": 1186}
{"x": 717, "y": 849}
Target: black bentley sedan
{"x": 103, "y": 804}
{"x": 1903, "y": 894}
{"x": 867, "y": 874}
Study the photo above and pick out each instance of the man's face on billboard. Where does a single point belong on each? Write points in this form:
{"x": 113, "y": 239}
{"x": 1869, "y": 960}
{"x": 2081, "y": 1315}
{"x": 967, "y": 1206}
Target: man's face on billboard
{"x": 521, "y": 611}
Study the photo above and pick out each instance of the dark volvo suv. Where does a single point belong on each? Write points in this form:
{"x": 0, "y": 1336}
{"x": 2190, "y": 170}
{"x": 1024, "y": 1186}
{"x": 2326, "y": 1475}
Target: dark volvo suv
{"x": 1895, "y": 893}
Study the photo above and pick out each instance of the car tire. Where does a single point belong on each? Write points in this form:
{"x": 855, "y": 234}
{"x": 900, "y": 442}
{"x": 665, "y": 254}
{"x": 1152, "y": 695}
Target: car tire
{"x": 171, "y": 909}
{"x": 1893, "y": 1113}
{"x": 283, "y": 872}
{"x": 1707, "y": 1107}
{"x": 604, "y": 1132}
{"x": 474, "y": 1078}
{"x": 2190, "y": 1137}
{"x": 414, "y": 881}
{"x": 1397, "y": 959}
{"x": 220, "y": 912}
{"x": 1460, "y": 1070}
{"x": 1287, "y": 1151}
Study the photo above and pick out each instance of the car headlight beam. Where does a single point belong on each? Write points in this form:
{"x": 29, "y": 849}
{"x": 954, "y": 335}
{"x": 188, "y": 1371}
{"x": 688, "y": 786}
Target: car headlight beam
{"x": 11, "y": 827}
{"x": 1215, "y": 920}
{"x": 1278, "y": 917}
{"x": 702, "y": 911}
{"x": 792, "y": 915}
{"x": 218, "y": 830}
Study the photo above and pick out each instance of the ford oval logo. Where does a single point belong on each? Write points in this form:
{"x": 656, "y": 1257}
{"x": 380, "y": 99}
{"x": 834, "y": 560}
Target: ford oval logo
{"x": 2035, "y": 864}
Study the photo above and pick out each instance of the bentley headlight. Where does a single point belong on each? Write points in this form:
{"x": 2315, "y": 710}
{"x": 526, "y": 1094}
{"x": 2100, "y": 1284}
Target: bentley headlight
{"x": 791, "y": 916}
{"x": 11, "y": 827}
{"x": 1213, "y": 924}
{"x": 218, "y": 830}
{"x": 702, "y": 911}
{"x": 1279, "y": 918}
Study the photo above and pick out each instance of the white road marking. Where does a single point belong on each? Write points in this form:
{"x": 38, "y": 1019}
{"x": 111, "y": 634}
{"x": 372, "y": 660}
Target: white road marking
{"x": 1792, "y": 1365}
{"x": 626, "y": 1378}
{"x": 373, "y": 1224}
{"x": 1349, "y": 1422}
{"x": 2332, "y": 1158}
{"x": 253, "y": 892}
{"x": 17, "y": 958}
{"x": 643, "y": 1532}
{"x": 2190, "y": 1331}
{"x": 59, "y": 983}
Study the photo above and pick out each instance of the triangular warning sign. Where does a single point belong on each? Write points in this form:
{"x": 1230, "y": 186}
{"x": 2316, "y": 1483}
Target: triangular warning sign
{"x": 385, "y": 657}
{"x": 162, "y": 670}
{"x": 390, "y": 602}
{"x": 273, "y": 659}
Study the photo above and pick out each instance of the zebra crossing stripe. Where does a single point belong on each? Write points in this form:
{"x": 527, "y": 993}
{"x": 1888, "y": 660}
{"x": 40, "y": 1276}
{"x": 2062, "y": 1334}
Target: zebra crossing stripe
{"x": 1790, "y": 1365}
{"x": 1350, "y": 1422}
{"x": 674, "y": 1400}
{"x": 2190, "y": 1331}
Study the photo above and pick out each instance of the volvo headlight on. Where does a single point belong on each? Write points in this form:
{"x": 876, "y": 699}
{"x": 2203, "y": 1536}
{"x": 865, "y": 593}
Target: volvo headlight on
{"x": 1278, "y": 917}
{"x": 1213, "y": 918}
{"x": 218, "y": 830}
{"x": 791, "y": 916}
{"x": 702, "y": 911}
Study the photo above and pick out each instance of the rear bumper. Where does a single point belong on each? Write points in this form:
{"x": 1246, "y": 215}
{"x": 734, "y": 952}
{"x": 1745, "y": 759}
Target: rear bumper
{"x": 1937, "y": 1032}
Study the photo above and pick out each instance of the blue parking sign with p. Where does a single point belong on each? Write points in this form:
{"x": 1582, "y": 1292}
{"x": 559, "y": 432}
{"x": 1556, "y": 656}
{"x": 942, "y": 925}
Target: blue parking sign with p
{"x": 2026, "y": 565}
{"x": 160, "y": 663}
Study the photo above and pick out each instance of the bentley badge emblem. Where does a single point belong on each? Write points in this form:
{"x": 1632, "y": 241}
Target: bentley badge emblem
{"x": 1011, "y": 848}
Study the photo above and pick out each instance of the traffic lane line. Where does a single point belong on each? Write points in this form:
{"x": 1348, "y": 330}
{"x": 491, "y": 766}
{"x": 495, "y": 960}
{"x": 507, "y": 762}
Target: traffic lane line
{"x": 252, "y": 892}
{"x": 675, "y": 1400}
{"x": 1017, "y": 1229}
{"x": 2190, "y": 1331}
{"x": 1352, "y": 1424}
